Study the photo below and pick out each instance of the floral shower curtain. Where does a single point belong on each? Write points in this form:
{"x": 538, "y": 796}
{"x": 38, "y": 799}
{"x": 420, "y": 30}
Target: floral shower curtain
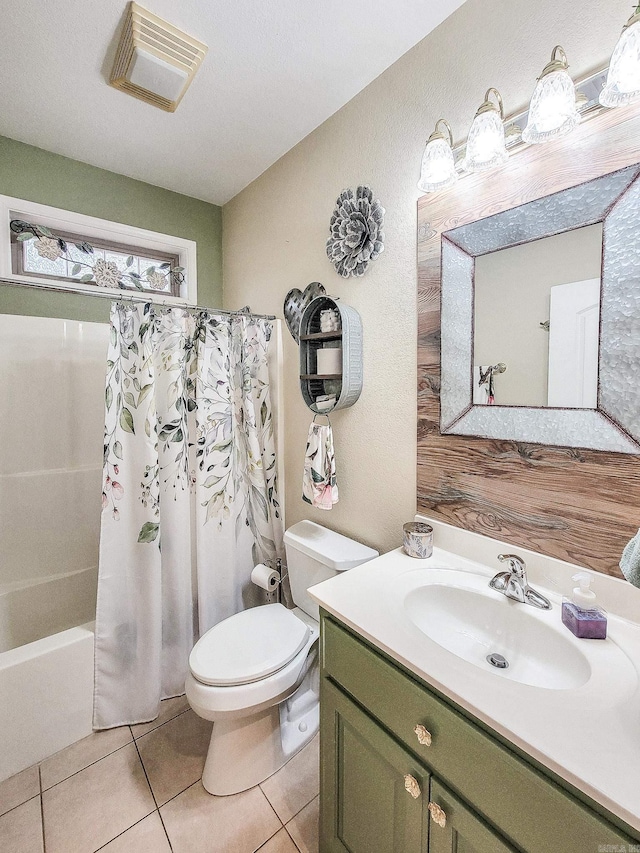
{"x": 189, "y": 499}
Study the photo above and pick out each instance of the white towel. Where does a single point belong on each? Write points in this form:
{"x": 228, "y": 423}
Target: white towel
{"x": 319, "y": 487}
{"x": 482, "y": 391}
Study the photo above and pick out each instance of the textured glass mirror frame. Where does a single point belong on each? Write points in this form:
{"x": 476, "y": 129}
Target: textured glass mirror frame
{"x": 612, "y": 199}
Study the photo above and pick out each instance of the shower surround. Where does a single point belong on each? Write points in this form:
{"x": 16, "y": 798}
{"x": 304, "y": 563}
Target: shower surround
{"x": 51, "y": 425}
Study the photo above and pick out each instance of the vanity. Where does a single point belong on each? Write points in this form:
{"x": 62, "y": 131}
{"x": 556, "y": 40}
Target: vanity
{"x": 453, "y": 718}
{"x": 425, "y": 746}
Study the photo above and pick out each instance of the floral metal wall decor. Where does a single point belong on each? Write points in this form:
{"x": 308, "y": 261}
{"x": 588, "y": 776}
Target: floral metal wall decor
{"x": 356, "y": 235}
{"x": 98, "y": 271}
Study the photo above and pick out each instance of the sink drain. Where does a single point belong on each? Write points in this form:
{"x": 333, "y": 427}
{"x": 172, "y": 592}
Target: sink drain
{"x": 497, "y": 660}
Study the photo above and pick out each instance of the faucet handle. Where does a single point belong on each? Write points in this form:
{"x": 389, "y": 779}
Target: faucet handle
{"x": 516, "y": 564}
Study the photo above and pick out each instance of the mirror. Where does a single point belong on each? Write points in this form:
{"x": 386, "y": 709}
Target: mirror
{"x": 537, "y": 313}
{"x": 541, "y": 320}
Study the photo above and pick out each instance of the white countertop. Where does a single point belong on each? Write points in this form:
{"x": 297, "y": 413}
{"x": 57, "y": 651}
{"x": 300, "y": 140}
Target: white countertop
{"x": 589, "y": 736}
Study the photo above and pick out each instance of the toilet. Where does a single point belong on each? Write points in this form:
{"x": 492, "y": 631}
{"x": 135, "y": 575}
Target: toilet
{"x": 256, "y": 674}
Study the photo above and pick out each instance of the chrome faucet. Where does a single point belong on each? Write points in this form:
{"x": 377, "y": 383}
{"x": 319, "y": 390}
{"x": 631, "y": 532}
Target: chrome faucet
{"x": 513, "y": 583}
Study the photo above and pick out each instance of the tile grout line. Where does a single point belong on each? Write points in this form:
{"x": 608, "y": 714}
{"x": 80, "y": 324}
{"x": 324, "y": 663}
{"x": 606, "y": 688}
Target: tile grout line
{"x": 106, "y": 755}
{"x": 315, "y": 797}
{"x": 144, "y": 770}
{"x": 293, "y": 841}
{"x": 123, "y": 832}
{"x": 152, "y": 796}
{"x": 155, "y": 729}
{"x": 165, "y": 830}
{"x": 296, "y": 815}
{"x": 264, "y": 843}
{"x": 270, "y": 804}
{"x": 44, "y": 843}
{"x": 13, "y": 808}
{"x": 171, "y": 799}
{"x": 75, "y": 772}
{"x": 157, "y": 807}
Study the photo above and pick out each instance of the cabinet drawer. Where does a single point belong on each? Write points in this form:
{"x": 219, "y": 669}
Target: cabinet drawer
{"x": 529, "y": 808}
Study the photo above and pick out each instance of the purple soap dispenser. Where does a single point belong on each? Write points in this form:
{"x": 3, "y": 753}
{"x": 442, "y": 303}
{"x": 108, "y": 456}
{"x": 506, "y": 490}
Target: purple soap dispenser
{"x": 580, "y": 613}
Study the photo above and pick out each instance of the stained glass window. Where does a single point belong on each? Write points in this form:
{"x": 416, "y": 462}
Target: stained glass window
{"x": 40, "y": 252}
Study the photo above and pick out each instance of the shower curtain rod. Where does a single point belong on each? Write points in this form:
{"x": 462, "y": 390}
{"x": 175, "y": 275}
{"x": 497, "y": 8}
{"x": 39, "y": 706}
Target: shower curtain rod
{"x": 133, "y": 297}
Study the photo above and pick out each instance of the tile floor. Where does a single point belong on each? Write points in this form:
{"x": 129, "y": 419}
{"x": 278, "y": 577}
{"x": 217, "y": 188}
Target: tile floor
{"x": 137, "y": 790}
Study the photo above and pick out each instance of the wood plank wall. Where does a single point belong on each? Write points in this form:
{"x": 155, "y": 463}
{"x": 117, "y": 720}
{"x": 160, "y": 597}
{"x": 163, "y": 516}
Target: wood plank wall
{"x": 578, "y": 505}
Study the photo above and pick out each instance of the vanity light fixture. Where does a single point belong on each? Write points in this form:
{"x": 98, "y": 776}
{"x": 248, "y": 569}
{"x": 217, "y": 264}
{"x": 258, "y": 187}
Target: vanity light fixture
{"x": 557, "y": 105}
{"x": 552, "y": 112}
{"x": 438, "y": 170}
{"x": 623, "y": 80}
{"x": 486, "y": 145}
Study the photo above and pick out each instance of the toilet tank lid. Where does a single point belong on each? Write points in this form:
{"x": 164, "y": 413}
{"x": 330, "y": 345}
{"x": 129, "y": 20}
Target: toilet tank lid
{"x": 334, "y": 550}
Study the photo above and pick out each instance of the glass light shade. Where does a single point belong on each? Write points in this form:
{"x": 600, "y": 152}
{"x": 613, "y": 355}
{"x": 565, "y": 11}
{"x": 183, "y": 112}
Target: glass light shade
{"x": 438, "y": 170}
{"x": 486, "y": 145}
{"x": 623, "y": 80}
{"x": 552, "y": 112}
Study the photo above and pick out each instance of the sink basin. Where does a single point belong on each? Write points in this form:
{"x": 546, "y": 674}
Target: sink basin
{"x": 475, "y": 623}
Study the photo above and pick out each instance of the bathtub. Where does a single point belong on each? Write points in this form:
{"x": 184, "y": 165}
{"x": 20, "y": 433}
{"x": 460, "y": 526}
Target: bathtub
{"x": 46, "y": 667}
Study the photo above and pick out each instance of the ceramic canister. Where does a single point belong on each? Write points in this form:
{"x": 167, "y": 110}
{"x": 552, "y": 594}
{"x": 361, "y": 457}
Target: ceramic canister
{"x": 417, "y": 539}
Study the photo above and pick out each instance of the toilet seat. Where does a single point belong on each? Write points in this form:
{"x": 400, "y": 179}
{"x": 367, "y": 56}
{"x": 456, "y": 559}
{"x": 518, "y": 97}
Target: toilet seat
{"x": 248, "y": 646}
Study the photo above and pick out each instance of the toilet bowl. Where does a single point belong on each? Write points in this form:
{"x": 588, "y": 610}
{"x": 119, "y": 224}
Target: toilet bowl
{"x": 256, "y": 674}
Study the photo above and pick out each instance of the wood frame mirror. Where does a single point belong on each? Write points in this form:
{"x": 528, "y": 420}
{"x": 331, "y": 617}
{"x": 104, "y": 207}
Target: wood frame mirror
{"x": 612, "y": 199}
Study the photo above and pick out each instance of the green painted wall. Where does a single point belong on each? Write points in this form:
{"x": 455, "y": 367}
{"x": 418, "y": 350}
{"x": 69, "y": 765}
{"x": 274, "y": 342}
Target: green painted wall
{"x": 36, "y": 175}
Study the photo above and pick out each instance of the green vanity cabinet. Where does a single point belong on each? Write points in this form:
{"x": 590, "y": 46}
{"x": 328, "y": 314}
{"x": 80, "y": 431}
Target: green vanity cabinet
{"x": 404, "y": 771}
{"x": 381, "y": 796}
{"x": 463, "y": 830}
{"x": 371, "y": 811}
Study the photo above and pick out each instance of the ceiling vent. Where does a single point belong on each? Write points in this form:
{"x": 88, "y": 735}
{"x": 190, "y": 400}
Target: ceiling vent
{"x": 155, "y": 61}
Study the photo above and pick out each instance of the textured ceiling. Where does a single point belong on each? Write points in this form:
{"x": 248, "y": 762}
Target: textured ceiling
{"x": 275, "y": 70}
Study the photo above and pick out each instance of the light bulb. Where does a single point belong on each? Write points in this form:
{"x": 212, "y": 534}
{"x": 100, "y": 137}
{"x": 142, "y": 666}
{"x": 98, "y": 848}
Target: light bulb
{"x": 552, "y": 112}
{"x": 438, "y": 169}
{"x": 623, "y": 80}
{"x": 486, "y": 144}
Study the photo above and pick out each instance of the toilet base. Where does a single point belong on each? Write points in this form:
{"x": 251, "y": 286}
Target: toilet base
{"x": 244, "y": 752}
{"x": 251, "y": 740}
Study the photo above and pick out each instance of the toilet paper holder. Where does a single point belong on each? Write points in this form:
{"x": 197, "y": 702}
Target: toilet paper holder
{"x": 269, "y": 579}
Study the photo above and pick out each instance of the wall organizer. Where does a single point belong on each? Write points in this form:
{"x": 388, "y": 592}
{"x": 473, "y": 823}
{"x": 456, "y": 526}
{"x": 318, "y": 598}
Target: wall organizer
{"x": 331, "y": 360}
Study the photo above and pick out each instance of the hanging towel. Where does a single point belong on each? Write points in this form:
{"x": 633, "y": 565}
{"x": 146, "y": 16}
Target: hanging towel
{"x": 630, "y": 560}
{"x": 319, "y": 487}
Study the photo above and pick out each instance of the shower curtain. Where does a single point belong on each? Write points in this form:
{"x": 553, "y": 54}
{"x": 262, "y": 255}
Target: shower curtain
{"x": 190, "y": 501}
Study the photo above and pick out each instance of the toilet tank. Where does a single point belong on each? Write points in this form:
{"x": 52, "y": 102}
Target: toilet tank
{"x": 315, "y": 554}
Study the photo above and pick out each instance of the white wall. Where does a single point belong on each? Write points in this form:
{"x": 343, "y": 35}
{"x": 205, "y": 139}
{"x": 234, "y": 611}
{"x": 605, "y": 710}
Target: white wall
{"x": 274, "y": 231}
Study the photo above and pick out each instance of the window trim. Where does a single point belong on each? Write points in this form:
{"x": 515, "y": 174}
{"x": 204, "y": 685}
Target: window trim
{"x": 92, "y": 227}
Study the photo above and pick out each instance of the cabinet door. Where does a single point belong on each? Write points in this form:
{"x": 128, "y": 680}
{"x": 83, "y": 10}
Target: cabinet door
{"x": 366, "y": 807}
{"x": 463, "y": 830}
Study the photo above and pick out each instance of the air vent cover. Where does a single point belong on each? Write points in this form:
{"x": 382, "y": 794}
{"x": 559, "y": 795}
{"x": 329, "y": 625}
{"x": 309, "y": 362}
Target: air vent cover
{"x": 155, "y": 61}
